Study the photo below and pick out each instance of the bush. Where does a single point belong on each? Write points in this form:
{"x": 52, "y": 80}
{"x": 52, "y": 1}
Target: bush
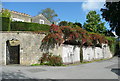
{"x": 117, "y": 47}
{"x": 35, "y": 65}
{"x": 5, "y": 23}
{"x": 49, "y": 59}
{"x": 26, "y": 26}
{"x": 63, "y": 23}
{"x": 112, "y": 44}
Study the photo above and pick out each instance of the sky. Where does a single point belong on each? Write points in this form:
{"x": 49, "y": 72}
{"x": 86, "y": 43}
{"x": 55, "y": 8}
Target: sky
{"x": 67, "y": 11}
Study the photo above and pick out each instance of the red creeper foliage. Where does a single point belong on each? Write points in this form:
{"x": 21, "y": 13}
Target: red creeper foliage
{"x": 61, "y": 34}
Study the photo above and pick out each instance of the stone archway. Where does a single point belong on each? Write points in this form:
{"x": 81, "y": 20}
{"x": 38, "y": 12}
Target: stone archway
{"x": 12, "y": 52}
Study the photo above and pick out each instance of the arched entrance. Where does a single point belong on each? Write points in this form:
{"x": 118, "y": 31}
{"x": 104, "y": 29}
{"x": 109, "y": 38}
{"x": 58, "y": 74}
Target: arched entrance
{"x": 12, "y": 52}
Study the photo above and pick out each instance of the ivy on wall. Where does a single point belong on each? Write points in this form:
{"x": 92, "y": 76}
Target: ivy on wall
{"x": 60, "y": 34}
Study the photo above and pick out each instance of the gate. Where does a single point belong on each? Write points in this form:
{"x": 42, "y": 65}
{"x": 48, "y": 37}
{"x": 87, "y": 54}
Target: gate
{"x": 12, "y": 52}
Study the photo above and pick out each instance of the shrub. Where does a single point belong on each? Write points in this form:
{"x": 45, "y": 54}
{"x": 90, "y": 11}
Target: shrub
{"x": 63, "y": 23}
{"x": 26, "y": 26}
{"x": 54, "y": 39}
{"x": 112, "y": 44}
{"x": 49, "y": 59}
{"x": 35, "y": 64}
{"x": 5, "y": 23}
{"x": 117, "y": 47}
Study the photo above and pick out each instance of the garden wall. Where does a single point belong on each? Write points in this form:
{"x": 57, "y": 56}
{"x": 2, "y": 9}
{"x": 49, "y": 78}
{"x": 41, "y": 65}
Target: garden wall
{"x": 30, "y": 49}
{"x": 29, "y": 46}
{"x": 71, "y": 54}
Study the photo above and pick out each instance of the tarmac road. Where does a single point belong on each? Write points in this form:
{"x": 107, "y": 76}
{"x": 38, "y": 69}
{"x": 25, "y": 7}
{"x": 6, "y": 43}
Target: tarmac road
{"x": 107, "y": 69}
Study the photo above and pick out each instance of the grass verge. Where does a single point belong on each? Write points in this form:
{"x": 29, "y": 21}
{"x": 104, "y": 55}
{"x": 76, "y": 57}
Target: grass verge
{"x": 85, "y": 62}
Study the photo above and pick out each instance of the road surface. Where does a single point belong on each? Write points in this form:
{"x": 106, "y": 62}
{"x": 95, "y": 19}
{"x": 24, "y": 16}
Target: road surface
{"x": 107, "y": 69}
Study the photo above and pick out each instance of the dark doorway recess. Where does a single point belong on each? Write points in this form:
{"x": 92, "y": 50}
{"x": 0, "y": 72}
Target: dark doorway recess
{"x": 12, "y": 53}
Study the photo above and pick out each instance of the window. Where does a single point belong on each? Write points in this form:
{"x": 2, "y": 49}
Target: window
{"x": 16, "y": 19}
{"x": 41, "y": 21}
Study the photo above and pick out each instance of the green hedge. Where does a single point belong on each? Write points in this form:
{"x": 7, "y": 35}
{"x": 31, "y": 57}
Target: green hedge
{"x": 112, "y": 44}
{"x": 0, "y": 23}
{"x": 26, "y": 26}
{"x": 5, "y": 23}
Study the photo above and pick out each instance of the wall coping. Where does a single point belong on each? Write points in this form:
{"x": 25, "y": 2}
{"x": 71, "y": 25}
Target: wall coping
{"x": 33, "y": 32}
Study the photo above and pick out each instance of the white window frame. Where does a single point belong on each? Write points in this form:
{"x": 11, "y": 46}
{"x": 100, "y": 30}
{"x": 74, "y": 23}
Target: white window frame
{"x": 41, "y": 21}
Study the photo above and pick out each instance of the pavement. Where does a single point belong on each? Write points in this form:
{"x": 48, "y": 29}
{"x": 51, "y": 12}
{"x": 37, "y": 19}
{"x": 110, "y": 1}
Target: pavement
{"x": 107, "y": 69}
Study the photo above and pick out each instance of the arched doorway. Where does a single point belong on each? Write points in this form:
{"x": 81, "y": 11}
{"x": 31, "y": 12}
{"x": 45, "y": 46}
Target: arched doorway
{"x": 12, "y": 52}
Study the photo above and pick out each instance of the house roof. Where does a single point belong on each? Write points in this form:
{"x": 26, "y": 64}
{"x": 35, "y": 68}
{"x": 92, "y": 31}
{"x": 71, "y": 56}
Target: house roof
{"x": 17, "y": 12}
{"x": 20, "y": 13}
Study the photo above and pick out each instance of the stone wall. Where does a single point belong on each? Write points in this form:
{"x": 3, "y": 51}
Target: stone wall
{"x": 30, "y": 49}
{"x": 71, "y": 53}
{"x": 29, "y": 46}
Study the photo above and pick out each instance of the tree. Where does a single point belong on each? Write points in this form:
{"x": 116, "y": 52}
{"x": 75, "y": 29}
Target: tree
{"x": 78, "y": 24}
{"x": 49, "y": 14}
{"x": 71, "y": 24}
{"x": 94, "y": 23}
{"x": 63, "y": 23}
{"x": 66, "y": 23}
{"x": 5, "y": 13}
{"x": 111, "y": 13}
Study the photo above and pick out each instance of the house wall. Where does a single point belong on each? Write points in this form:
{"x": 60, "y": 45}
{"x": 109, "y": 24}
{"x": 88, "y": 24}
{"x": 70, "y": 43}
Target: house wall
{"x": 36, "y": 19}
{"x": 30, "y": 49}
{"x": 22, "y": 17}
{"x": 17, "y": 16}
